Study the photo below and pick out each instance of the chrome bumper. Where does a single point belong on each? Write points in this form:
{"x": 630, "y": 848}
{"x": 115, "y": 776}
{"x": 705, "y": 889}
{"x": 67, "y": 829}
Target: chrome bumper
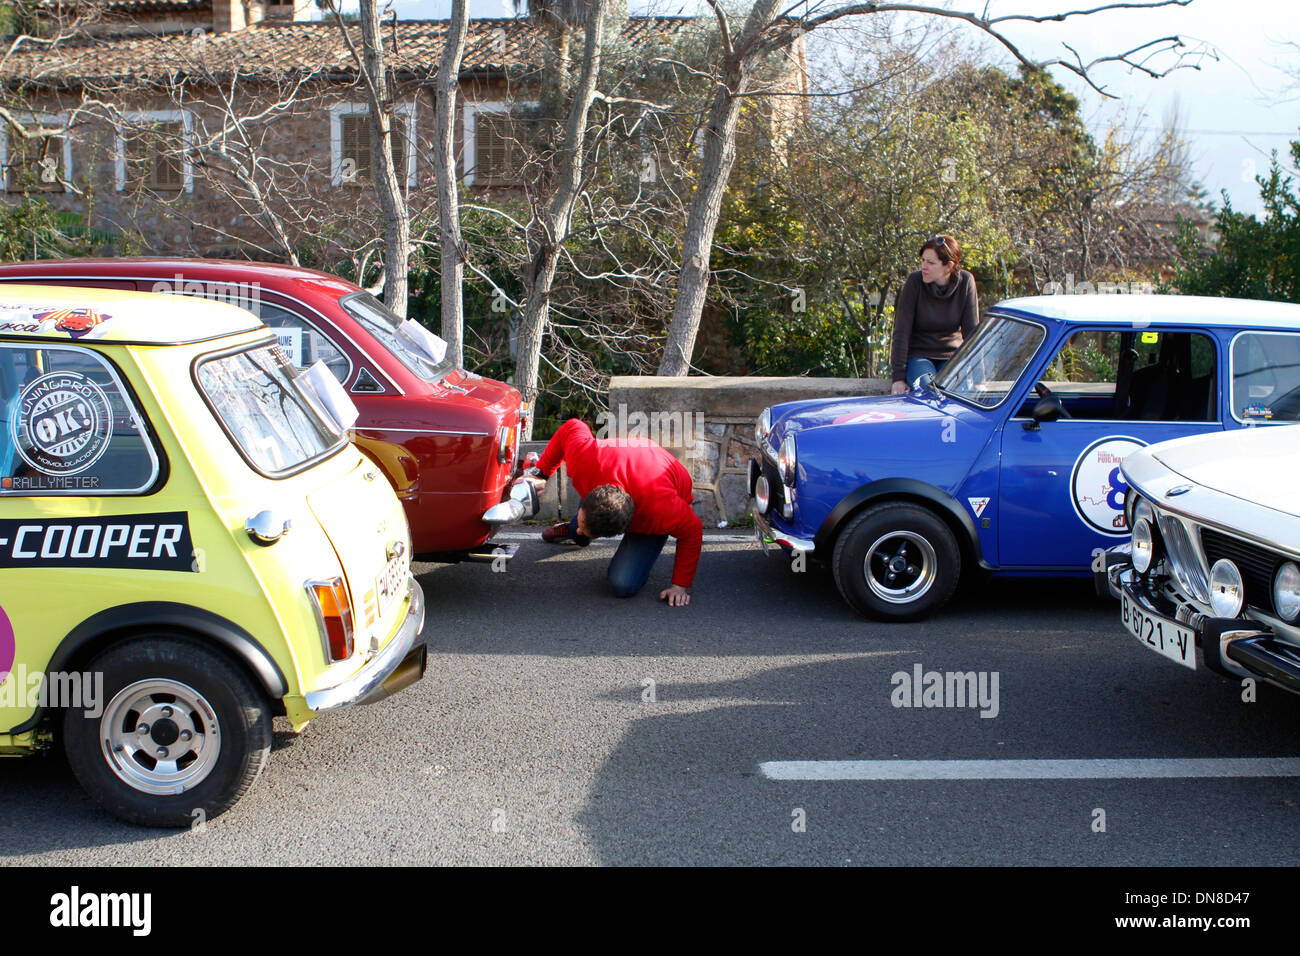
{"x": 766, "y": 533}
{"x": 402, "y": 654}
{"x": 1234, "y": 647}
{"x": 520, "y": 502}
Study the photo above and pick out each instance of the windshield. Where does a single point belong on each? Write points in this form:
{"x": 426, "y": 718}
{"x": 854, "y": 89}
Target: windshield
{"x": 271, "y": 421}
{"x": 382, "y": 324}
{"x": 987, "y": 367}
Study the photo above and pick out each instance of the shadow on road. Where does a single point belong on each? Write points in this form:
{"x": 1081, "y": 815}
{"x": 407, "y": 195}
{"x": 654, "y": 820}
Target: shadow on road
{"x": 683, "y": 786}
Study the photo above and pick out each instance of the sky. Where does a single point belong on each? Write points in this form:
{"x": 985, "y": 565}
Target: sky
{"x": 1235, "y": 109}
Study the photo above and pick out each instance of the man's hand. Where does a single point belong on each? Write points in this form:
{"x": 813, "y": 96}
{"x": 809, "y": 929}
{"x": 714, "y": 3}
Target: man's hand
{"x": 676, "y": 596}
{"x": 539, "y": 484}
{"x": 898, "y": 388}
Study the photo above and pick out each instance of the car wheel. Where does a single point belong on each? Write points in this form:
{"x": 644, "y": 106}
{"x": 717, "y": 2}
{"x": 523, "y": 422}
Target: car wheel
{"x": 896, "y": 562}
{"x": 182, "y": 733}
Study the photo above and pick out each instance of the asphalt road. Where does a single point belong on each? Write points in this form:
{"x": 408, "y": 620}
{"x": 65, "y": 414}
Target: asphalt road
{"x": 558, "y": 724}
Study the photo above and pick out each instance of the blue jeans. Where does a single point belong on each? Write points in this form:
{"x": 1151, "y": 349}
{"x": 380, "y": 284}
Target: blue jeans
{"x": 632, "y": 562}
{"x": 918, "y": 365}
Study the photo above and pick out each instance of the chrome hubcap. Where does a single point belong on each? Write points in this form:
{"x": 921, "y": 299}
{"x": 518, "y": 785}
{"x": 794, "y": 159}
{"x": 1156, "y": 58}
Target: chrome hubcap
{"x": 900, "y": 567}
{"x": 160, "y": 736}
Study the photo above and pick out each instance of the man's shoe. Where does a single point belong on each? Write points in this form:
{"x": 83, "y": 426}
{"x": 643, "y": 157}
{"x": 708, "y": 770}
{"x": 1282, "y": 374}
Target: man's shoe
{"x": 556, "y": 533}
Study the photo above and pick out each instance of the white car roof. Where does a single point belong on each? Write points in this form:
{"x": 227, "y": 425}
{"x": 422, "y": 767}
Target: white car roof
{"x": 1164, "y": 309}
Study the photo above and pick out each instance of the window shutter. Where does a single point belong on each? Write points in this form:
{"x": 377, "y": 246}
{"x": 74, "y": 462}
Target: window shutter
{"x": 155, "y": 155}
{"x": 399, "y": 149}
{"x": 168, "y": 166}
{"x": 491, "y": 148}
{"x": 356, "y": 143}
{"x": 27, "y": 162}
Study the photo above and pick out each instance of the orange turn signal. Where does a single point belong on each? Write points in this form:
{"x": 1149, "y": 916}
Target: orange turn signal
{"x": 333, "y": 617}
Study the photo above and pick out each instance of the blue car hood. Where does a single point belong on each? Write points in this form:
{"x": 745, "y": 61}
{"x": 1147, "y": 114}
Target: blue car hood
{"x": 880, "y": 410}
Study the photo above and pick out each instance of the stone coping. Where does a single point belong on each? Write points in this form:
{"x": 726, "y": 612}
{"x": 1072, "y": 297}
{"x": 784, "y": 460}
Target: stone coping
{"x": 727, "y": 397}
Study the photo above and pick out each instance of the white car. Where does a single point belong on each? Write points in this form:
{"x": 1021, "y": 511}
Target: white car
{"x": 1214, "y": 557}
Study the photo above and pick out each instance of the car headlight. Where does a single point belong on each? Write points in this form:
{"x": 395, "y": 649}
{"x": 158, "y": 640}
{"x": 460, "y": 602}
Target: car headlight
{"x": 1227, "y": 591}
{"x": 762, "y": 495}
{"x": 1142, "y": 510}
{"x": 1286, "y": 592}
{"x": 1143, "y": 546}
{"x": 786, "y": 461}
{"x": 762, "y": 427}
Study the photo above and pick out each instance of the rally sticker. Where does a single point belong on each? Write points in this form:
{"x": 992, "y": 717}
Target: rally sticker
{"x": 1097, "y": 488}
{"x": 868, "y": 417}
{"x": 153, "y": 542}
{"x": 64, "y": 423}
{"x": 78, "y": 323}
{"x": 978, "y": 505}
{"x": 7, "y": 646}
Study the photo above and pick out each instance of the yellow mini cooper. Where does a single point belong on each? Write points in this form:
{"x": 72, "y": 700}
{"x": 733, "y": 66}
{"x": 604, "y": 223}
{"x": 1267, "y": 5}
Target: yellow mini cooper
{"x": 188, "y": 546}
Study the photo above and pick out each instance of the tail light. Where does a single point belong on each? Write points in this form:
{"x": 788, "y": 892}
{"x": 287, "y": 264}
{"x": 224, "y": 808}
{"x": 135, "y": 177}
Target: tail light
{"x": 506, "y": 444}
{"x": 333, "y": 617}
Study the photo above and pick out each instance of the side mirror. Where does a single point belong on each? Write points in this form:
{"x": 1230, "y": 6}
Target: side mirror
{"x": 923, "y": 382}
{"x": 1047, "y": 409}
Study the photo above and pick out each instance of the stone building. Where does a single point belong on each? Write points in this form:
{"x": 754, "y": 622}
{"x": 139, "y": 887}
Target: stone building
{"x": 220, "y": 127}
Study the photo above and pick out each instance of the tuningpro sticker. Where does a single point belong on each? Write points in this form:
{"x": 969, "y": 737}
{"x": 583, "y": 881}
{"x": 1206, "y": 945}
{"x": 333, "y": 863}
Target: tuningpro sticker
{"x": 1097, "y": 488}
{"x": 64, "y": 423}
{"x": 7, "y": 646}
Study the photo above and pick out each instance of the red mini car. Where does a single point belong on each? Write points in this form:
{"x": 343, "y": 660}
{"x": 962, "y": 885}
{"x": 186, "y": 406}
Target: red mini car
{"x": 447, "y": 439}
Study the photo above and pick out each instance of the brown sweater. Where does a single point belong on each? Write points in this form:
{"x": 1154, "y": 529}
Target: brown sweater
{"x": 932, "y": 320}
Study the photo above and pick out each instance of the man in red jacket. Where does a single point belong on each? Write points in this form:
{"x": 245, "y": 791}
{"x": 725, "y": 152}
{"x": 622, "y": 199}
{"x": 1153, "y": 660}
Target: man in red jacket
{"x": 632, "y": 486}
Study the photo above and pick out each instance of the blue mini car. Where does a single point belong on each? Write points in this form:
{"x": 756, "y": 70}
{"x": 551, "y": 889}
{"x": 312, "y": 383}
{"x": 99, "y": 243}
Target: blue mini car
{"x": 1009, "y": 460}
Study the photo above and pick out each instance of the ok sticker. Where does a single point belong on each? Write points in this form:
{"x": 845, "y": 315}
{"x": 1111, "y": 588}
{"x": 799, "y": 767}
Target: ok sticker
{"x": 64, "y": 423}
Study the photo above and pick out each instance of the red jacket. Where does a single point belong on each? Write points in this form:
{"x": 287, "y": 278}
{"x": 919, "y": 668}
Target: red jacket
{"x": 660, "y": 487}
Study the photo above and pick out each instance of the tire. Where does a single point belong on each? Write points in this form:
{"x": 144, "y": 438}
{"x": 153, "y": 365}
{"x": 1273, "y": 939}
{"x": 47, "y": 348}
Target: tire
{"x": 924, "y": 579}
{"x": 144, "y": 679}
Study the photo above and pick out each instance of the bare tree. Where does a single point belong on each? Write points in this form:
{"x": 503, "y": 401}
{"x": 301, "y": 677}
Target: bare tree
{"x": 550, "y": 224}
{"x": 452, "y": 248}
{"x": 372, "y": 64}
{"x": 767, "y": 30}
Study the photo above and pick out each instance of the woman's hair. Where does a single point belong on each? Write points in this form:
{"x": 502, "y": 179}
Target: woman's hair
{"x": 609, "y": 511}
{"x": 946, "y": 248}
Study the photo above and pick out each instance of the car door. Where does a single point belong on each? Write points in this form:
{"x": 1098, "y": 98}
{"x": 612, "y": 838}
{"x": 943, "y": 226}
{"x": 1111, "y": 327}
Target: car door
{"x": 1061, "y": 493}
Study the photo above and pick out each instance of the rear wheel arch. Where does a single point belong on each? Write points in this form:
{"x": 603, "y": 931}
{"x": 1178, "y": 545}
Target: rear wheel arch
{"x": 113, "y": 626}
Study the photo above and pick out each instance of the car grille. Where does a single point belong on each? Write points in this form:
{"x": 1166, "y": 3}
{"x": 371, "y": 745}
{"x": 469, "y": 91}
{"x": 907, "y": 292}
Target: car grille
{"x": 1183, "y": 557}
{"x": 1257, "y": 565}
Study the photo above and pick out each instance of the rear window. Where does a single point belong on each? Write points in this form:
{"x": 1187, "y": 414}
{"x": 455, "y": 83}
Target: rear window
{"x": 382, "y": 324}
{"x": 69, "y": 425}
{"x": 1266, "y": 377}
{"x": 277, "y": 426}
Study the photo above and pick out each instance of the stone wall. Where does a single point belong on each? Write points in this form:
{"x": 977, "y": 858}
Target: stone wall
{"x": 708, "y": 424}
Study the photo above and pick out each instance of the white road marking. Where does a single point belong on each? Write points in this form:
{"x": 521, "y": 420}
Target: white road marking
{"x": 1102, "y": 769}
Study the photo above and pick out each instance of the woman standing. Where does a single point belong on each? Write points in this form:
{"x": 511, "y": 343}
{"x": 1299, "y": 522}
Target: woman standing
{"x": 937, "y": 310}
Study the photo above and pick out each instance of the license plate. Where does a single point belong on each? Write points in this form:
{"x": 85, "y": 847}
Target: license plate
{"x": 388, "y": 586}
{"x": 760, "y": 537}
{"x": 1162, "y": 635}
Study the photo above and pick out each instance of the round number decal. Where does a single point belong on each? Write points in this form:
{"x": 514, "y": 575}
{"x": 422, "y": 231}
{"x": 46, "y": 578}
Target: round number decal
{"x": 1097, "y": 487}
{"x": 64, "y": 423}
